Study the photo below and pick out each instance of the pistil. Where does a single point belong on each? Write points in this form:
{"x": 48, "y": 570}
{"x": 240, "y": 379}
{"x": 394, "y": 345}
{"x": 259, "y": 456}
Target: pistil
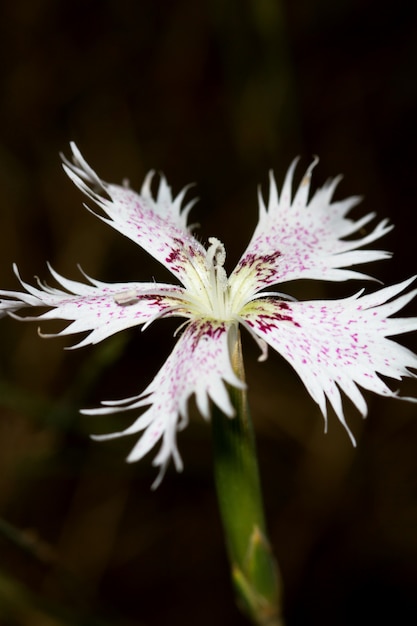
{"x": 219, "y": 284}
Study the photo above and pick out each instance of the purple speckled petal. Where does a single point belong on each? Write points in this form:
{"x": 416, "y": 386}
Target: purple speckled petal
{"x": 199, "y": 364}
{"x": 101, "y": 309}
{"x": 296, "y": 238}
{"x": 340, "y": 344}
{"x": 158, "y": 225}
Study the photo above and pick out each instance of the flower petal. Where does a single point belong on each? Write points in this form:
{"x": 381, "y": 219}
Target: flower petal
{"x": 199, "y": 364}
{"x": 10, "y": 306}
{"x": 158, "y": 225}
{"x": 101, "y": 309}
{"x": 339, "y": 344}
{"x": 296, "y": 238}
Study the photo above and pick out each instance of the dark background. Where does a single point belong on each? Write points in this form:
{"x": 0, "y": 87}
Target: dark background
{"x": 216, "y": 93}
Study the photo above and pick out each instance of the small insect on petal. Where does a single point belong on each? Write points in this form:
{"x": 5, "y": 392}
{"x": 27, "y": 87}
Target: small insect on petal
{"x": 126, "y": 298}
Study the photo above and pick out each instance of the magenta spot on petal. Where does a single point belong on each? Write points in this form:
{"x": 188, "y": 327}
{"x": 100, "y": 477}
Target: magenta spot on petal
{"x": 207, "y": 330}
{"x": 173, "y": 257}
{"x": 263, "y": 266}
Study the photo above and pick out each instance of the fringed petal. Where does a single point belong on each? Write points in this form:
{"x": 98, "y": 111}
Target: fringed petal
{"x": 100, "y": 309}
{"x": 340, "y": 344}
{"x": 297, "y": 238}
{"x": 199, "y": 365}
{"x": 158, "y": 225}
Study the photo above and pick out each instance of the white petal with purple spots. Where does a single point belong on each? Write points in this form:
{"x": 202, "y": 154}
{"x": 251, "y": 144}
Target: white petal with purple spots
{"x": 339, "y": 344}
{"x": 158, "y": 225}
{"x": 97, "y": 308}
{"x": 199, "y": 365}
{"x": 296, "y": 238}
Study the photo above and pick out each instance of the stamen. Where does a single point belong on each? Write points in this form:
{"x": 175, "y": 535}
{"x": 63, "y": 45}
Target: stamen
{"x": 261, "y": 343}
{"x": 160, "y": 314}
{"x": 180, "y": 327}
{"x": 126, "y": 298}
{"x": 279, "y": 294}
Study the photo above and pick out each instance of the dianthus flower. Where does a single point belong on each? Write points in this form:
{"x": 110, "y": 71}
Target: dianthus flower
{"x": 333, "y": 345}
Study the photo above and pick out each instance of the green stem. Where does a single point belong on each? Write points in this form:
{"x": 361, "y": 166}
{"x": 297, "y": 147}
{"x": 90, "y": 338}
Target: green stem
{"x": 254, "y": 571}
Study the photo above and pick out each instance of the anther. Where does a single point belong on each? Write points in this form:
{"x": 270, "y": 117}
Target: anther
{"x": 126, "y": 298}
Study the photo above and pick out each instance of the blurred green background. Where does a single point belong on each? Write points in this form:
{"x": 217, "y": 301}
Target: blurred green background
{"x": 214, "y": 93}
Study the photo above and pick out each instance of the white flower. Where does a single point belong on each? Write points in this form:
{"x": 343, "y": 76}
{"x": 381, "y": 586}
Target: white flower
{"x": 333, "y": 345}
